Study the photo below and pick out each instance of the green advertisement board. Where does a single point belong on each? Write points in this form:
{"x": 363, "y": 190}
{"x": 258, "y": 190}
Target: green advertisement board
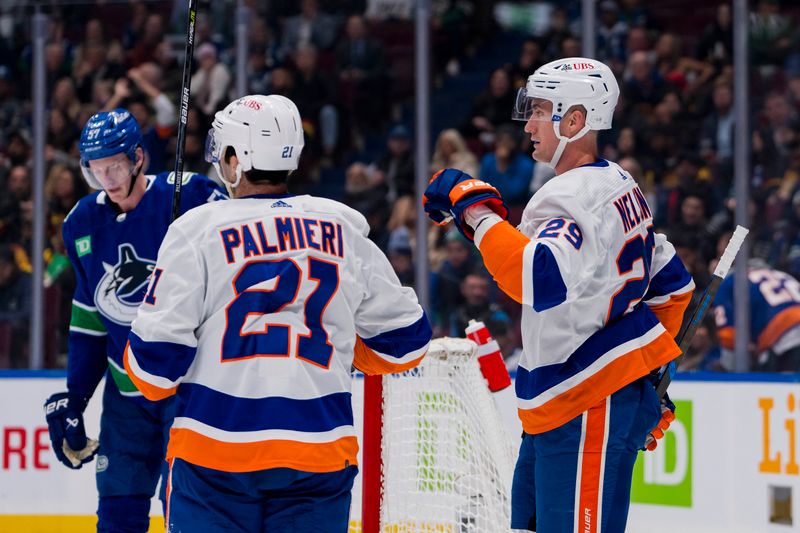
{"x": 664, "y": 476}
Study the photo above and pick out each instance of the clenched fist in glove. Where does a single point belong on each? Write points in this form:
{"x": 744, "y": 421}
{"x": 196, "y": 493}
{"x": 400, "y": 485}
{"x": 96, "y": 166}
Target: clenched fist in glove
{"x": 667, "y": 417}
{"x": 64, "y": 412}
{"x": 450, "y": 192}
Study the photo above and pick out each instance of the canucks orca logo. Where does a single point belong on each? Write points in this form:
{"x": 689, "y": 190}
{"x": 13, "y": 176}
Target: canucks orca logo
{"x": 122, "y": 287}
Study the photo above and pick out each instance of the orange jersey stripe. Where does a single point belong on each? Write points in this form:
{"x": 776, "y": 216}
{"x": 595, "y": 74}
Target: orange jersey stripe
{"x": 151, "y": 392}
{"x": 620, "y": 372}
{"x": 367, "y": 361}
{"x": 502, "y": 249}
{"x": 780, "y": 324}
{"x": 204, "y": 451}
{"x": 670, "y": 313}
{"x": 727, "y": 337}
{"x": 587, "y": 513}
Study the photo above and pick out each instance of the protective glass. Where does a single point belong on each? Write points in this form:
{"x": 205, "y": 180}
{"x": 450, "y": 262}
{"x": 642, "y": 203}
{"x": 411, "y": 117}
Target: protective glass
{"x": 110, "y": 176}
{"x": 213, "y": 151}
{"x": 524, "y": 108}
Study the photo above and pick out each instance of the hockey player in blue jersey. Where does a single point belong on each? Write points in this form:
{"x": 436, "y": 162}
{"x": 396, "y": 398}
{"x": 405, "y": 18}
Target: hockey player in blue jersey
{"x": 112, "y": 237}
{"x": 774, "y": 319}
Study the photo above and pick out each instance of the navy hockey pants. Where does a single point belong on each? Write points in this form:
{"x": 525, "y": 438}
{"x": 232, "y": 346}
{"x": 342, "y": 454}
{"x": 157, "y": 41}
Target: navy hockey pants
{"x": 577, "y": 477}
{"x": 276, "y": 500}
{"x": 130, "y": 461}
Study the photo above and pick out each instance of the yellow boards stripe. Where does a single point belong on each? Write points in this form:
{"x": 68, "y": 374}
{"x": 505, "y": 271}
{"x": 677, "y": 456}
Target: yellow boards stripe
{"x": 62, "y": 523}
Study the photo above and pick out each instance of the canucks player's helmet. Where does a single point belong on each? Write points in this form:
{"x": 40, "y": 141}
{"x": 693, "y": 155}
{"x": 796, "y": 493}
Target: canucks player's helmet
{"x": 106, "y": 134}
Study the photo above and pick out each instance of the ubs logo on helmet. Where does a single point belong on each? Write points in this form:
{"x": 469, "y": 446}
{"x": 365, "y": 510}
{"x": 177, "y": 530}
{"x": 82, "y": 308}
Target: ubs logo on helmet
{"x": 122, "y": 287}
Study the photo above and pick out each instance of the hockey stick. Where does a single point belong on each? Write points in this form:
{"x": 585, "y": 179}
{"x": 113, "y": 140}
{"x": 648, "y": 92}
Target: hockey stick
{"x": 685, "y": 338}
{"x": 186, "y": 84}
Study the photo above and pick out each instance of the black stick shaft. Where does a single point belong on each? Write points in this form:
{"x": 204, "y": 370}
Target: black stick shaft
{"x": 186, "y": 88}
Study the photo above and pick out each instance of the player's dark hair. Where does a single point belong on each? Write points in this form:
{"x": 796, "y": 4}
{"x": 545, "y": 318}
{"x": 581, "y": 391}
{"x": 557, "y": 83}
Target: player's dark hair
{"x": 254, "y": 175}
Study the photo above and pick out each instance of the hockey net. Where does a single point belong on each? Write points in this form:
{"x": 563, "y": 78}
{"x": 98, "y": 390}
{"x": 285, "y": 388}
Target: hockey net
{"x": 440, "y": 460}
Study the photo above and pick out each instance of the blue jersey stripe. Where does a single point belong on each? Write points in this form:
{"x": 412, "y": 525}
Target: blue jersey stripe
{"x": 400, "y": 342}
{"x": 549, "y": 288}
{"x": 669, "y": 279}
{"x": 164, "y": 359}
{"x": 531, "y": 383}
{"x": 231, "y": 413}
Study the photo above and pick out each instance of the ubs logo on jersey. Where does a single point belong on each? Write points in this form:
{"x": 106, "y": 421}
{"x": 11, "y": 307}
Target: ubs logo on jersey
{"x": 122, "y": 288}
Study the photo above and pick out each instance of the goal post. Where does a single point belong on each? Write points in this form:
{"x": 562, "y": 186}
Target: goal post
{"x": 436, "y": 457}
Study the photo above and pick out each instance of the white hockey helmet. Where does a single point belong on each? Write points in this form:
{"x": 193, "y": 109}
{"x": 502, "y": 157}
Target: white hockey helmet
{"x": 566, "y": 83}
{"x": 265, "y": 131}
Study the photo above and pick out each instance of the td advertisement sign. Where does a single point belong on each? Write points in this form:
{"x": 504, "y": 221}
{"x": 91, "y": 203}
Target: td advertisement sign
{"x": 664, "y": 476}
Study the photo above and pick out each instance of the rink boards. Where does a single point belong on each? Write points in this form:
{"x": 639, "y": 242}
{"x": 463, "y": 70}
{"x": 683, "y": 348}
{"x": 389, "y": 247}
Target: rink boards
{"x": 730, "y": 463}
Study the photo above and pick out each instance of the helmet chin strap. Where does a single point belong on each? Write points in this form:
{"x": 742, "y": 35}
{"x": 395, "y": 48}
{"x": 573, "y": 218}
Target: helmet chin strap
{"x": 228, "y": 185}
{"x": 562, "y": 142}
{"x": 134, "y": 177}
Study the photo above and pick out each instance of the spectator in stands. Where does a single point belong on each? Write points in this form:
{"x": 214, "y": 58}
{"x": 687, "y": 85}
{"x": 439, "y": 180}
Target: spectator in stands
{"x": 11, "y": 111}
{"x": 644, "y": 86}
{"x": 147, "y": 41}
{"x": 716, "y": 44}
{"x": 612, "y": 34}
{"x": 311, "y": 26}
{"x": 360, "y": 63}
{"x": 772, "y": 142}
{"x": 15, "y": 305}
{"x": 445, "y": 285}
{"x": 61, "y": 131}
{"x": 556, "y": 33}
{"x": 490, "y": 108}
{"x": 531, "y": 57}
{"x": 153, "y": 110}
{"x": 716, "y": 142}
{"x": 508, "y": 169}
{"x": 395, "y": 169}
{"x": 65, "y": 98}
{"x": 451, "y": 152}
{"x": 63, "y": 188}
{"x": 704, "y": 352}
{"x": 770, "y": 36}
{"x": 210, "y": 82}
{"x": 315, "y": 98}
{"x": 475, "y": 290}
{"x": 400, "y": 255}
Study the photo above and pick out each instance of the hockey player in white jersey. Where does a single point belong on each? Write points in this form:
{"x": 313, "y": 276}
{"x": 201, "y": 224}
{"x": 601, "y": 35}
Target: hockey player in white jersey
{"x": 253, "y": 318}
{"x": 602, "y": 299}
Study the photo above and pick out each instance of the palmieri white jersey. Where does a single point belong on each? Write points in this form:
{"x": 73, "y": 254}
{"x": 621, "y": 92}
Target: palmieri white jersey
{"x": 602, "y": 295}
{"x": 255, "y": 313}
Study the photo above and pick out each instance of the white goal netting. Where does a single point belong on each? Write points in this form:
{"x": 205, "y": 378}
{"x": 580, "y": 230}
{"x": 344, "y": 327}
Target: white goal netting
{"x": 447, "y": 458}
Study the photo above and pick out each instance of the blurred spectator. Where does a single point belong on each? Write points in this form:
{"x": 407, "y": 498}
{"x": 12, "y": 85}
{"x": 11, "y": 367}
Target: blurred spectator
{"x": 147, "y": 41}
{"x": 770, "y": 36}
{"x": 15, "y": 306}
{"x": 315, "y": 98}
{"x": 611, "y": 34}
{"x": 772, "y": 142}
{"x": 445, "y": 285}
{"x": 492, "y": 107}
{"x": 688, "y": 248}
{"x": 451, "y": 152}
{"x": 11, "y": 112}
{"x": 704, "y": 352}
{"x": 361, "y": 65}
{"x": 677, "y": 69}
{"x": 644, "y": 86}
{"x": 716, "y": 44}
{"x": 65, "y": 99}
{"x": 395, "y": 169}
{"x": 450, "y": 21}
{"x": 507, "y": 169}
{"x": 400, "y": 255}
{"x": 475, "y": 290}
{"x": 716, "y": 142}
{"x": 63, "y": 188}
{"x": 531, "y": 57}
{"x": 311, "y": 26}
{"x": 210, "y": 82}
{"x": 61, "y": 131}
{"x": 556, "y": 33}
{"x": 153, "y": 110}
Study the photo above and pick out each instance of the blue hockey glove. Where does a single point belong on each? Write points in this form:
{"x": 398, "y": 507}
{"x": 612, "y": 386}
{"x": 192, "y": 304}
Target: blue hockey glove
{"x": 64, "y": 413}
{"x": 667, "y": 417}
{"x": 451, "y": 191}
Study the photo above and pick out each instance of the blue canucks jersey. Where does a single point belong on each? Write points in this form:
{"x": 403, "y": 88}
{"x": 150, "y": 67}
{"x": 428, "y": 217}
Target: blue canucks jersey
{"x": 774, "y": 307}
{"x": 113, "y": 255}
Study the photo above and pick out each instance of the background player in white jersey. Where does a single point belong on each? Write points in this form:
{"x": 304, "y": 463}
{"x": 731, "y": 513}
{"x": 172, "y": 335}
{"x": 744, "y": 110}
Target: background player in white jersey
{"x": 112, "y": 238}
{"x": 602, "y": 297}
{"x": 255, "y": 314}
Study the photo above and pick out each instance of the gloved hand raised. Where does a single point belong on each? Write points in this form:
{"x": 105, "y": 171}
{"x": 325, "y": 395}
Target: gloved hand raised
{"x": 451, "y": 191}
{"x": 64, "y": 413}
